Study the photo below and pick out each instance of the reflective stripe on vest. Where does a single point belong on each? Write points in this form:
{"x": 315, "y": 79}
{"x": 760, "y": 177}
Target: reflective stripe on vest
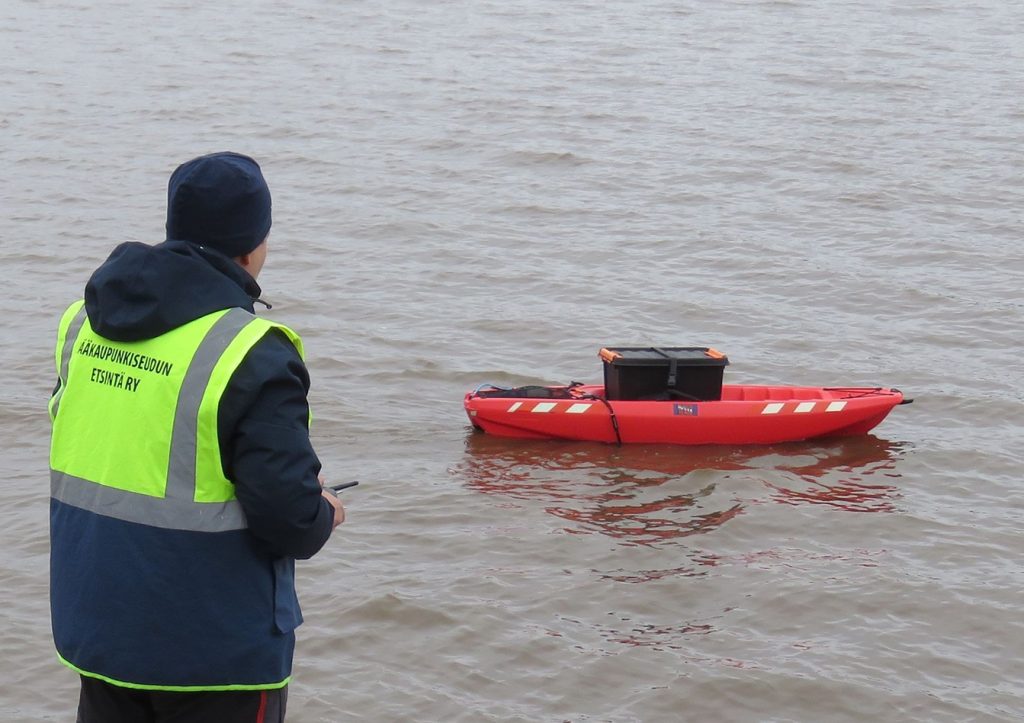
{"x": 70, "y": 325}
{"x": 195, "y": 495}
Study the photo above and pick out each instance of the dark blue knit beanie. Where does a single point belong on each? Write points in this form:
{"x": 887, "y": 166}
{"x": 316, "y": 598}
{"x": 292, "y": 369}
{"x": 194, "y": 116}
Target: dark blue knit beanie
{"x": 220, "y": 201}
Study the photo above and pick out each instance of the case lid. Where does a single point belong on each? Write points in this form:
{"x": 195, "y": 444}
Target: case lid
{"x": 663, "y": 356}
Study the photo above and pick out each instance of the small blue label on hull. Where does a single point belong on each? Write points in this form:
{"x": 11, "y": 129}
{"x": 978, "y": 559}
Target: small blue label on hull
{"x": 689, "y": 410}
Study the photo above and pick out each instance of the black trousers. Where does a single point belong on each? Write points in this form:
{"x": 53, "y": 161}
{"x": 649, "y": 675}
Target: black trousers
{"x": 101, "y": 702}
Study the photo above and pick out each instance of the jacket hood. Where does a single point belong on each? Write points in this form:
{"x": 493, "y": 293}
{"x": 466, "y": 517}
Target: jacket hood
{"x": 141, "y": 291}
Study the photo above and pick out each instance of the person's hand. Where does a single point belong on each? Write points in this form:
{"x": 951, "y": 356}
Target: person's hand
{"x": 339, "y": 509}
{"x": 332, "y": 497}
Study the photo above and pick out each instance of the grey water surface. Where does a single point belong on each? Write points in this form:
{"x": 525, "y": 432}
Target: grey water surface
{"x": 467, "y": 192}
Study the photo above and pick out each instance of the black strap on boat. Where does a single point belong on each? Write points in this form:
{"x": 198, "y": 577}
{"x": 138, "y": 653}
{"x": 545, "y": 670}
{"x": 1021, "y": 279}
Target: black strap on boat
{"x": 856, "y": 392}
{"x": 615, "y": 421}
{"x": 611, "y": 413}
{"x": 672, "y": 361}
{"x": 569, "y": 392}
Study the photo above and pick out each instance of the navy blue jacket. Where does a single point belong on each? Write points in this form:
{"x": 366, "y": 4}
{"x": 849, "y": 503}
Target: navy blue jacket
{"x": 175, "y": 608}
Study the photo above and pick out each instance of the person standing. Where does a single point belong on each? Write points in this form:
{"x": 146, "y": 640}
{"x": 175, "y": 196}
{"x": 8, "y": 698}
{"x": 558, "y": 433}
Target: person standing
{"x": 183, "y": 482}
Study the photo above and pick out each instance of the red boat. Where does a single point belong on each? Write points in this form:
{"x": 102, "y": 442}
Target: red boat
{"x": 744, "y": 414}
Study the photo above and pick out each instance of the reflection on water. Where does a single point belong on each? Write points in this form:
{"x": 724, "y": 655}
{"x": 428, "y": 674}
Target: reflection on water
{"x": 624, "y": 630}
{"x": 841, "y": 480}
{"x": 633, "y": 493}
{"x": 620, "y": 492}
{"x": 646, "y": 523}
{"x": 701, "y": 563}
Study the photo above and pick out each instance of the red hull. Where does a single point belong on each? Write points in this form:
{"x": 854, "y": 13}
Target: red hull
{"x": 746, "y": 414}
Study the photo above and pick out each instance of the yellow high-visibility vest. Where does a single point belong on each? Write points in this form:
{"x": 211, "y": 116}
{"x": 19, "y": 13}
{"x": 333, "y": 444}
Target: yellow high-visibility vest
{"x": 135, "y": 423}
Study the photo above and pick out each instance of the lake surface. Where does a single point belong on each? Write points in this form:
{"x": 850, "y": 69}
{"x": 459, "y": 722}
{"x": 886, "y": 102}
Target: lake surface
{"x": 469, "y": 192}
